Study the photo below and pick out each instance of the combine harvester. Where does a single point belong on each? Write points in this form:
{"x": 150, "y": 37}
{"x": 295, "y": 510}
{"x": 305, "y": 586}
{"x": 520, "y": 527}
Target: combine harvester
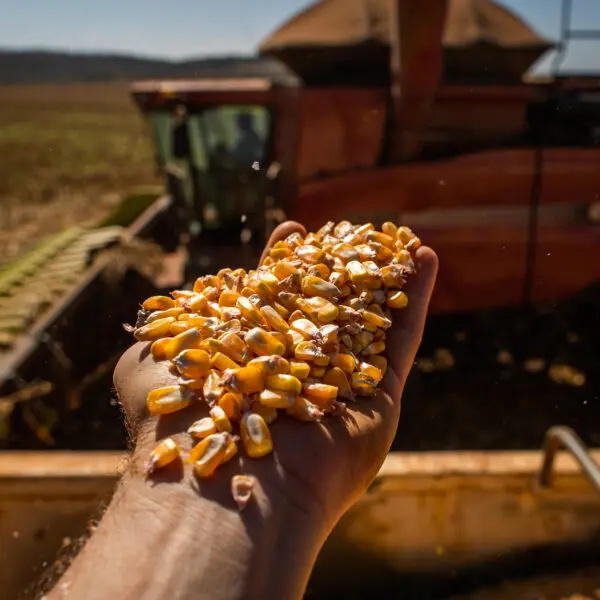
{"x": 424, "y": 118}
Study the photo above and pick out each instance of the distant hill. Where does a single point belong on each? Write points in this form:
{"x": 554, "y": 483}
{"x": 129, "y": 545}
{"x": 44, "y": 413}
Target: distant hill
{"x": 63, "y": 67}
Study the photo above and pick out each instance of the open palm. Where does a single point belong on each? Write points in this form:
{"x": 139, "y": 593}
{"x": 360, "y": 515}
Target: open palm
{"x": 329, "y": 463}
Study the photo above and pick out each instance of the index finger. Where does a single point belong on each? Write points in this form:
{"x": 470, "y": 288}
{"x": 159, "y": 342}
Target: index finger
{"x": 408, "y": 324}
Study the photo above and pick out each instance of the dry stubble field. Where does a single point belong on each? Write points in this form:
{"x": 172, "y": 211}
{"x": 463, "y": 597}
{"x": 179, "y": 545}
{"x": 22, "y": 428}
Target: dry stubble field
{"x": 67, "y": 154}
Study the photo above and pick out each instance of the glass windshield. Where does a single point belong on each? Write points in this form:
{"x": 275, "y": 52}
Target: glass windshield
{"x": 214, "y": 159}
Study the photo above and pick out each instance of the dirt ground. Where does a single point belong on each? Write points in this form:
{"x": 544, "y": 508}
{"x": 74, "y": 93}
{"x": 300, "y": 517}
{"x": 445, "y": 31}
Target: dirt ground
{"x": 69, "y": 152}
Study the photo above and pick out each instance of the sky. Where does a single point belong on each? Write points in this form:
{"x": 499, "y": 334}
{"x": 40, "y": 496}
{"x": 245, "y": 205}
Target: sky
{"x": 186, "y": 28}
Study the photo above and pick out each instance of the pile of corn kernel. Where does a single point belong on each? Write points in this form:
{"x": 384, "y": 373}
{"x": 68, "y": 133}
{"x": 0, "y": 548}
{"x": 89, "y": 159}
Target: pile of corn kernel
{"x": 303, "y": 333}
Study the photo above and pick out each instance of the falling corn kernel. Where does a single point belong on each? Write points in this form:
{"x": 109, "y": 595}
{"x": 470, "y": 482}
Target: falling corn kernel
{"x": 302, "y": 333}
{"x": 242, "y": 487}
{"x": 165, "y": 453}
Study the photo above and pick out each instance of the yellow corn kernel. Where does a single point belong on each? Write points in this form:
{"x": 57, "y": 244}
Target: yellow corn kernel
{"x": 312, "y": 239}
{"x": 370, "y": 370}
{"x": 362, "y": 384}
{"x": 155, "y": 330}
{"x": 158, "y": 303}
{"x": 317, "y": 372}
{"x": 230, "y": 452}
{"x": 231, "y": 403}
{"x": 378, "y": 361}
{"x": 186, "y": 339}
{"x": 320, "y": 309}
{"x": 345, "y": 291}
{"x": 199, "y": 285}
{"x": 404, "y": 234}
{"x": 320, "y": 390}
{"x": 165, "y": 453}
{"x": 343, "y": 228}
{"x": 280, "y": 253}
{"x": 166, "y": 400}
{"x": 181, "y": 296}
{"x": 266, "y": 412}
{"x": 222, "y": 422}
{"x": 346, "y": 313}
{"x": 377, "y": 320}
{"x": 288, "y": 300}
{"x": 319, "y": 270}
{"x": 283, "y": 312}
{"x": 304, "y": 410}
{"x": 363, "y": 339}
{"x": 310, "y": 254}
{"x": 233, "y": 325}
{"x": 374, "y": 348}
{"x": 192, "y": 363}
{"x": 365, "y": 252}
{"x": 157, "y": 349}
{"x": 192, "y": 385}
{"x": 213, "y": 310}
{"x": 228, "y": 298}
{"x": 213, "y": 387}
{"x": 276, "y": 398}
{"x": 329, "y": 333}
{"x": 163, "y": 314}
{"x": 250, "y": 311}
{"x": 390, "y": 229}
{"x": 274, "y": 319}
{"x": 267, "y": 284}
{"x": 178, "y": 327}
{"x": 222, "y": 361}
{"x": 208, "y": 454}
{"x": 308, "y": 351}
{"x": 345, "y": 252}
{"x": 271, "y": 365}
{"x": 337, "y": 377}
{"x": 293, "y": 338}
{"x": 397, "y": 300}
{"x": 381, "y": 238}
{"x": 315, "y": 286}
{"x": 202, "y": 428}
{"x": 234, "y": 346}
{"x": 370, "y": 328}
{"x": 247, "y": 380}
{"x": 210, "y": 345}
{"x": 286, "y": 383}
{"x": 197, "y": 303}
{"x": 346, "y": 340}
{"x": 284, "y": 269}
{"x": 256, "y": 436}
{"x": 299, "y": 369}
{"x": 297, "y": 314}
{"x": 321, "y": 361}
{"x": 382, "y": 252}
{"x": 263, "y": 343}
{"x": 346, "y": 362}
{"x": 307, "y": 329}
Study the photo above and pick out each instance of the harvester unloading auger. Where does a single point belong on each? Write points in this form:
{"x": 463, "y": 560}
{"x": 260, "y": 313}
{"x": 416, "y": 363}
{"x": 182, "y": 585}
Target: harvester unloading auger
{"x": 400, "y": 118}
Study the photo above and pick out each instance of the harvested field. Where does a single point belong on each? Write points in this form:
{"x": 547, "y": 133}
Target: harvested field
{"x": 69, "y": 152}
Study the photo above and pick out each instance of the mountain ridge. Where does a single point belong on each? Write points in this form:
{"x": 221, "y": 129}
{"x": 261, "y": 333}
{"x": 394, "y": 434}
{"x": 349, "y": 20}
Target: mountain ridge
{"x": 51, "y": 66}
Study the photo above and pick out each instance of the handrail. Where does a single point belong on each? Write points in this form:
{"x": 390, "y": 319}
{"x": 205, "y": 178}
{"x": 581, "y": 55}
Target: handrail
{"x": 564, "y": 437}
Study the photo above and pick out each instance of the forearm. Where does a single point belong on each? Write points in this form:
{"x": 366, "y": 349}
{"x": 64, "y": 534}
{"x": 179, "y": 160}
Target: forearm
{"x": 185, "y": 539}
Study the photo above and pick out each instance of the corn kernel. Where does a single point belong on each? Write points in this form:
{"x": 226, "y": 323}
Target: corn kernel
{"x": 320, "y": 390}
{"x": 231, "y": 403}
{"x": 286, "y": 383}
{"x": 247, "y": 380}
{"x": 158, "y": 303}
{"x": 202, "y": 428}
{"x": 165, "y": 453}
{"x": 164, "y": 314}
{"x": 263, "y": 343}
{"x": 192, "y": 363}
{"x": 336, "y": 377}
{"x": 222, "y": 362}
{"x": 256, "y": 436}
{"x": 397, "y": 300}
{"x": 166, "y": 400}
{"x": 154, "y": 330}
{"x": 213, "y": 387}
{"x": 274, "y": 319}
{"x": 157, "y": 349}
{"x": 274, "y": 398}
{"x": 299, "y": 369}
{"x": 222, "y": 422}
{"x": 187, "y": 339}
{"x": 304, "y": 410}
{"x": 208, "y": 454}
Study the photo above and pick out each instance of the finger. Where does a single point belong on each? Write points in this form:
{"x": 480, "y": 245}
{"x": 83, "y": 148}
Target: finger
{"x": 406, "y": 332}
{"x": 280, "y": 233}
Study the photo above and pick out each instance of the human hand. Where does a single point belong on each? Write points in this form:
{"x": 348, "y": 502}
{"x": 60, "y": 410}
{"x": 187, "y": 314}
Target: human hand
{"x": 177, "y": 537}
{"x": 320, "y": 468}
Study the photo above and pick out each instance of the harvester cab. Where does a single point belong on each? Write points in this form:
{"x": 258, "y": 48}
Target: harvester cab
{"x": 214, "y": 147}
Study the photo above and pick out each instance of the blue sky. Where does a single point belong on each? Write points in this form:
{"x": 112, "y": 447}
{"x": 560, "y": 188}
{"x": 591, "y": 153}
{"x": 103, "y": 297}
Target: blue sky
{"x": 182, "y": 28}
